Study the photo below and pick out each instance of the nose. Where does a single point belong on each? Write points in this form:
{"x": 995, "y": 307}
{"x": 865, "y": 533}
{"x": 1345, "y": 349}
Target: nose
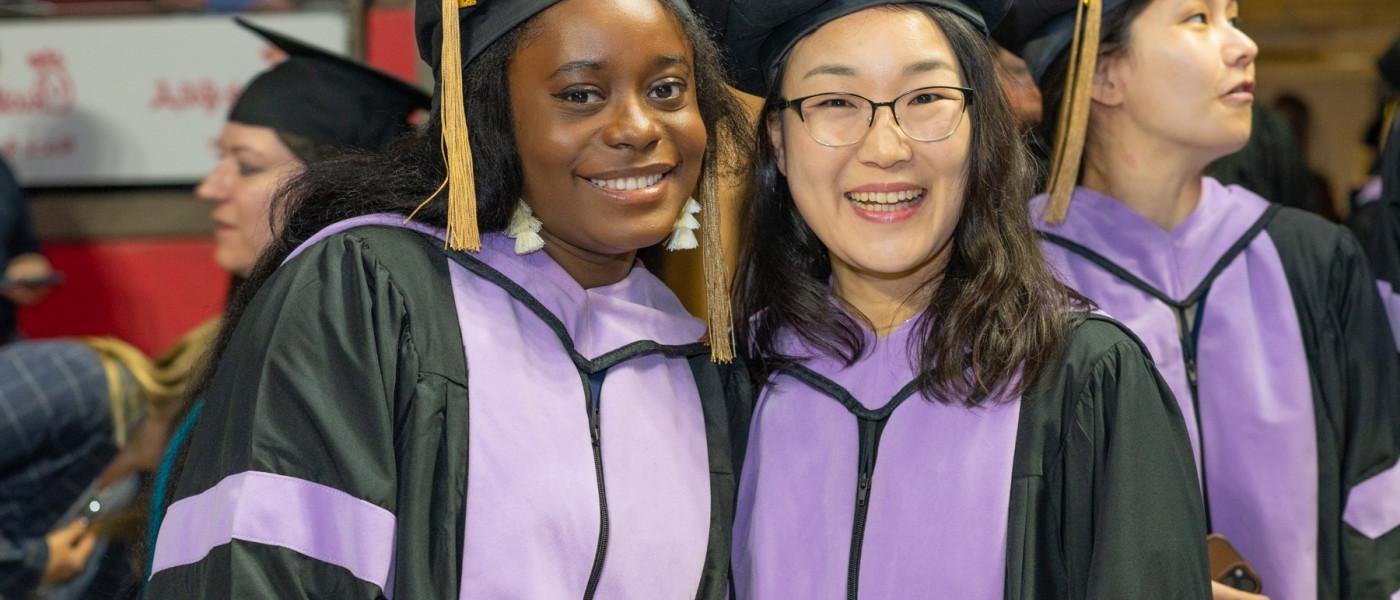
{"x": 885, "y": 145}
{"x": 1240, "y": 49}
{"x": 634, "y": 125}
{"x": 215, "y": 186}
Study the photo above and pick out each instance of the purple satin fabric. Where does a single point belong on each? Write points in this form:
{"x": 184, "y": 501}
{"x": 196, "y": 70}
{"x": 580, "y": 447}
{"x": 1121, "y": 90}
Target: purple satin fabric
{"x": 532, "y": 501}
{"x": 1255, "y": 392}
{"x": 532, "y": 514}
{"x": 1371, "y": 506}
{"x": 940, "y": 492}
{"x": 1390, "y": 299}
{"x": 306, "y": 517}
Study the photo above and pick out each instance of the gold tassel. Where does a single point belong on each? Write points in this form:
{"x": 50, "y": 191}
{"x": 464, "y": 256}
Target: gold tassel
{"x": 718, "y": 309}
{"x": 462, "y": 232}
{"x": 1074, "y": 110}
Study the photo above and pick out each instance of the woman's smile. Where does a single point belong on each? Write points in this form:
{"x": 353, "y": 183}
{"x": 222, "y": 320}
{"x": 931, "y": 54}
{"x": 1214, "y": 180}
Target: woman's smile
{"x": 886, "y": 203}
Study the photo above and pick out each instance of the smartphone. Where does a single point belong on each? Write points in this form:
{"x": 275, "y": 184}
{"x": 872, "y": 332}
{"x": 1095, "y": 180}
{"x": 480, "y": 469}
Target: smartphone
{"x": 101, "y": 503}
{"x": 1227, "y": 566}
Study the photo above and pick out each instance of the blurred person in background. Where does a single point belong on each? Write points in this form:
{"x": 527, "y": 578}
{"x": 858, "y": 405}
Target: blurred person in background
{"x": 1295, "y": 111}
{"x": 1388, "y": 67}
{"x": 1019, "y": 87}
{"x": 1272, "y": 165}
{"x": 1263, "y": 319}
{"x": 25, "y": 275}
{"x": 1376, "y": 217}
{"x": 79, "y": 409}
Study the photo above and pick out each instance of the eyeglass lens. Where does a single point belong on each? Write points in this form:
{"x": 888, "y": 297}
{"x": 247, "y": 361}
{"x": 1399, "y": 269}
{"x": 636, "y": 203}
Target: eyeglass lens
{"x": 925, "y": 115}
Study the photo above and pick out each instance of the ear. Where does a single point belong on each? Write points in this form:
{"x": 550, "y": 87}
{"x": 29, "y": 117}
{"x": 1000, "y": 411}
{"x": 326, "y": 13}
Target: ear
{"x": 1109, "y": 81}
{"x": 775, "y": 137}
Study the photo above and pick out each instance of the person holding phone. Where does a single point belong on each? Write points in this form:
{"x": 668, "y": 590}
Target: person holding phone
{"x": 86, "y": 414}
{"x": 25, "y": 275}
{"x": 1265, "y": 320}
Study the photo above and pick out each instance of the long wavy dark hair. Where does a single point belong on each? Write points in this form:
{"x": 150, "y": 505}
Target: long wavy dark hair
{"x": 996, "y": 316}
{"x": 398, "y": 178}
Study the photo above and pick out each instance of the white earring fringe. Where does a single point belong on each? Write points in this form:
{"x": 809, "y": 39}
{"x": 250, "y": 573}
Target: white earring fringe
{"x": 524, "y": 228}
{"x": 683, "y": 235}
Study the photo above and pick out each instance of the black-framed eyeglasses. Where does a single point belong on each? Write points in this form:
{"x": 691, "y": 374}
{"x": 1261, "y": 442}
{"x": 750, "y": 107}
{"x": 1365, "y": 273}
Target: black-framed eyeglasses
{"x": 836, "y": 119}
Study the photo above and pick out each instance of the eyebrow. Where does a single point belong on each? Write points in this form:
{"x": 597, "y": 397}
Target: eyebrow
{"x": 598, "y": 65}
{"x": 579, "y": 65}
{"x": 672, "y": 60}
{"x": 838, "y": 70}
{"x": 926, "y": 66}
{"x": 249, "y": 150}
{"x": 923, "y": 66}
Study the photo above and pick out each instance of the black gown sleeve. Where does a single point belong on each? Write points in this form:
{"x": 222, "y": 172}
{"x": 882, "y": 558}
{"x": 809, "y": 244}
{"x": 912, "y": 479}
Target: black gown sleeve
{"x": 1377, "y": 226}
{"x": 302, "y": 415}
{"x": 1148, "y": 530}
{"x": 1371, "y": 431}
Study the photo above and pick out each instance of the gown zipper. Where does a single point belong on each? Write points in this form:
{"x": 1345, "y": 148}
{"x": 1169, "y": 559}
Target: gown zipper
{"x": 870, "y": 431}
{"x": 595, "y": 430}
{"x": 1188, "y": 319}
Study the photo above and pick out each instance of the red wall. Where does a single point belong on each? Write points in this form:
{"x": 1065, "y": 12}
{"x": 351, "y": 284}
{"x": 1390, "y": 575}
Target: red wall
{"x": 389, "y": 42}
{"x": 147, "y": 292}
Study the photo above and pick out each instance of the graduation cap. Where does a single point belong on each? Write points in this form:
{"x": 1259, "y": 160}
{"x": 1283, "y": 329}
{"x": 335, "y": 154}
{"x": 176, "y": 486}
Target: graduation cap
{"x": 1039, "y": 31}
{"x": 326, "y": 98}
{"x": 453, "y": 33}
{"x": 758, "y": 34}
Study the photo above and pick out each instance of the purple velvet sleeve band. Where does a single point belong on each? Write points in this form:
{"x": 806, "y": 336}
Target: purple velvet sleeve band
{"x": 384, "y": 219}
{"x": 1373, "y": 507}
{"x": 314, "y": 520}
{"x": 1390, "y": 299}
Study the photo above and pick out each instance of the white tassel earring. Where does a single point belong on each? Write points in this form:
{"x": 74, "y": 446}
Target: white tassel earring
{"x": 524, "y": 228}
{"x": 683, "y": 235}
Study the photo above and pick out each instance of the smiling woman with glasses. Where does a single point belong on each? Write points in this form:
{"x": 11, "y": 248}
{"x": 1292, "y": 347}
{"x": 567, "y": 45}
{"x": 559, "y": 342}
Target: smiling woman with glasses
{"x": 939, "y": 417}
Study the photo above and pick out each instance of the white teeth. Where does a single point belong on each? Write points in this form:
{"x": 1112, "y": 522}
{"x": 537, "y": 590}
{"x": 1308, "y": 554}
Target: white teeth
{"x": 885, "y": 197}
{"x": 627, "y": 183}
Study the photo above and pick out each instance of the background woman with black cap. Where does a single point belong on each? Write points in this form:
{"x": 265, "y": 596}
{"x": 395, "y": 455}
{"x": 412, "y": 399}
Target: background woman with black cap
{"x": 87, "y": 400}
{"x": 492, "y": 399}
{"x": 1264, "y": 320}
{"x": 941, "y": 418}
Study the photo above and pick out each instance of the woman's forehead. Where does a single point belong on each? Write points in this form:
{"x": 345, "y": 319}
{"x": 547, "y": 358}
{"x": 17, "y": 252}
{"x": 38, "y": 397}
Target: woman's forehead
{"x": 882, "y": 43}
{"x": 605, "y": 31}
{"x": 241, "y": 137}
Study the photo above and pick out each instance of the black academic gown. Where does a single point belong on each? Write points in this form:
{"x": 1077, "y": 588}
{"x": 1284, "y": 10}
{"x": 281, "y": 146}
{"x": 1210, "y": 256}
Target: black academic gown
{"x": 855, "y": 485}
{"x": 1265, "y": 322}
{"x": 1377, "y": 225}
{"x": 350, "y": 448}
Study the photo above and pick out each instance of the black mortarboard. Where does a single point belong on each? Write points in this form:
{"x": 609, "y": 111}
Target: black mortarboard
{"x": 479, "y": 24}
{"x": 326, "y": 98}
{"x": 1039, "y": 31}
{"x": 757, "y": 34}
{"x": 1389, "y": 64}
